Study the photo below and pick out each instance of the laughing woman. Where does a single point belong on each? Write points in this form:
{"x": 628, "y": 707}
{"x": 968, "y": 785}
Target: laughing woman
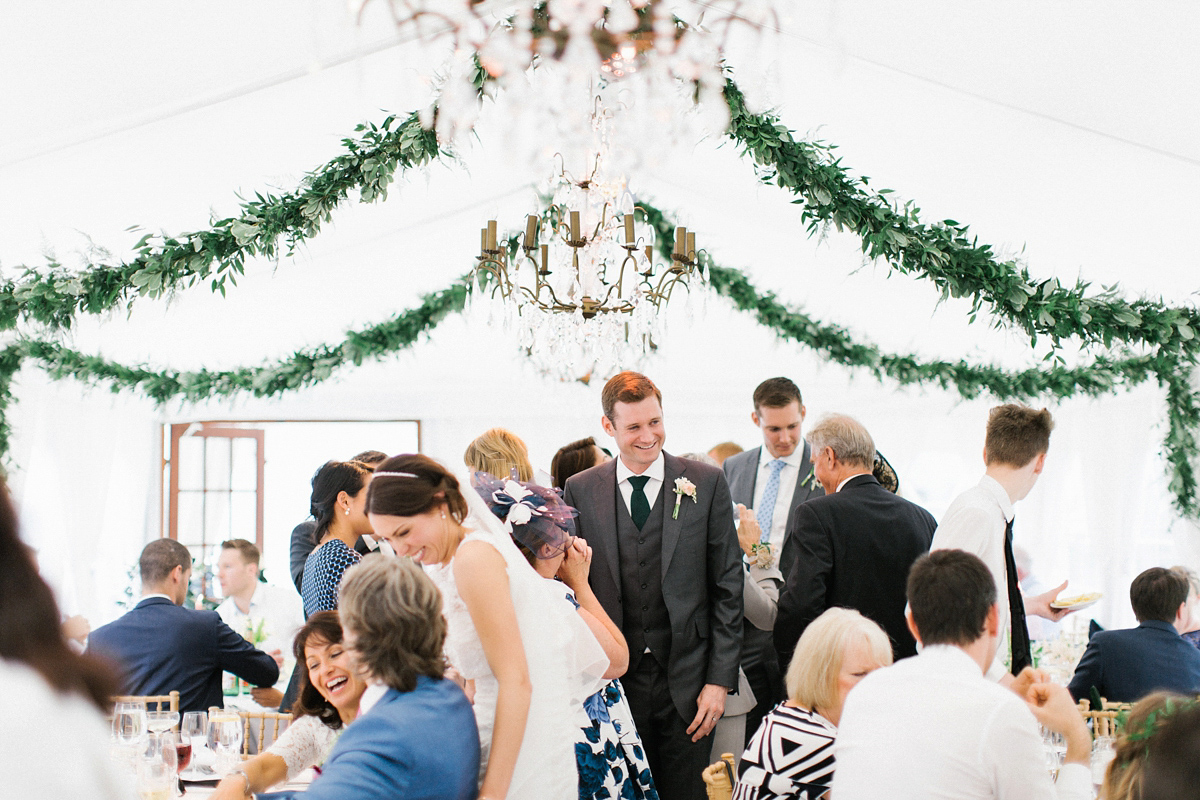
{"x": 329, "y": 695}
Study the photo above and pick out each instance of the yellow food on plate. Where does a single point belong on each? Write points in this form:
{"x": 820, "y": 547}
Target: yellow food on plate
{"x": 1077, "y": 599}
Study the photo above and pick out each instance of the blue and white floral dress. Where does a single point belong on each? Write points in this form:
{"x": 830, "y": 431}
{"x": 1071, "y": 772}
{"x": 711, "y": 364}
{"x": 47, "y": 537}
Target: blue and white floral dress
{"x": 612, "y": 764}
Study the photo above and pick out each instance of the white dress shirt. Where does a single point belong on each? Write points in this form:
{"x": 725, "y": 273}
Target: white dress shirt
{"x": 280, "y": 613}
{"x": 976, "y": 522}
{"x": 931, "y": 726}
{"x": 788, "y": 475}
{"x": 841, "y": 485}
{"x": 370, "y": 696}
{"x": 655, "y": 472}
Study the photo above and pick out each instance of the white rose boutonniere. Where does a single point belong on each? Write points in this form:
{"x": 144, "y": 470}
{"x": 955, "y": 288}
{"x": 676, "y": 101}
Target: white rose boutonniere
{"x": 683, "y": 487}
{"x": 762, "y": 556}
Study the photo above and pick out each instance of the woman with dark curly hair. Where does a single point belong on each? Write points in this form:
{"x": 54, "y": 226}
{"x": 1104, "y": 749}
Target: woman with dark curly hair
{"x": 330, "y": 690}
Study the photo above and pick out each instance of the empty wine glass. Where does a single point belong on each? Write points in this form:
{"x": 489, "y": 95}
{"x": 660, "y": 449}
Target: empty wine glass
{"x": 225, "y": 738}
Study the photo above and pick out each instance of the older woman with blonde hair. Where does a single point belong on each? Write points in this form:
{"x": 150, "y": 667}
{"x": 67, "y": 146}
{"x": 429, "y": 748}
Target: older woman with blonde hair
{"x": 791, "y": 754}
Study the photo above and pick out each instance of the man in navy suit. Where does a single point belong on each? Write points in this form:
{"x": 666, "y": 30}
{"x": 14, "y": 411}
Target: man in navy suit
{"x": 853, "y": 546}
{"x": 1126, "y": 665}
{"x": 163, "y": 647}
{"x": 415, "y": 736}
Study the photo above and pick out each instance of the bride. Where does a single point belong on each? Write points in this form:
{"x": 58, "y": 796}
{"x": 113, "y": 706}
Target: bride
{"x": 530, "y": 667}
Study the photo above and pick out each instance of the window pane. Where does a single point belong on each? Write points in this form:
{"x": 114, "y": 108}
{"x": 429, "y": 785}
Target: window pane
{"x": 245, "y": 465}
{"x": 191, "y": 518}
{"x": 244, "y": 513}
{"x": 216, "y": 517}
{"x": 216, "y": 462}
{"x": 191, "y": 462}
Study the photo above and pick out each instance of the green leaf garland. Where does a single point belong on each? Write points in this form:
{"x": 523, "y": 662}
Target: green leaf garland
{"x": 54, "y": 295}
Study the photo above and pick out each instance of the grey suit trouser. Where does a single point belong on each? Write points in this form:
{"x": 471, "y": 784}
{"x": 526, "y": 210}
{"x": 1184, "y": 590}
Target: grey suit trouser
{"x": 675, "y": 760}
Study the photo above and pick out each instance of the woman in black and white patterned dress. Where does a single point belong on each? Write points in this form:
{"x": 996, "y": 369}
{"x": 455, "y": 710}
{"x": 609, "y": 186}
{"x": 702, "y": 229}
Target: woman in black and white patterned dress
{"x": 791, "y": 754}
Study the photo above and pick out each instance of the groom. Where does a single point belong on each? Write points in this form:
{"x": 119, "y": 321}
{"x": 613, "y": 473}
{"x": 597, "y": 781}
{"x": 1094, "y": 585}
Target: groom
{"x": 666, "y": 567}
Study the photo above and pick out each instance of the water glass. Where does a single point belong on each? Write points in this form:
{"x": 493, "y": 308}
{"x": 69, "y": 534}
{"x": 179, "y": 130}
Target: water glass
{"x": 129, "y": 723}
{"x": 155, "y": 778}
{"x": 1102, "y": 754}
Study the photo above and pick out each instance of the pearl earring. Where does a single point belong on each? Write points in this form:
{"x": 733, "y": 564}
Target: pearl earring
{"x": 443, "y": 514}
{"x": 347, "y": 512}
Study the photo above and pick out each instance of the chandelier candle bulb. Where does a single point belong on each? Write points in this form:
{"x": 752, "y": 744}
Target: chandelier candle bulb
{"x": 574, "y": 226}
{"x": 628, "y": 229}
{"x": 531, "y": 226}
{"x": 680, "y": 239}
{"x": 491, "y": 234}
{"x": 483, "y": 240}
{"x": 650, "y": 257}
{"x": 545, "y": 259}
{"x": 690, "y": 252}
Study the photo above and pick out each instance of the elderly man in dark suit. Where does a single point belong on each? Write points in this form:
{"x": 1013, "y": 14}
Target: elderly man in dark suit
{"x": 163, "y": 647}
{"x": 1126, "y": 665}
{"x": 854, "y": 546}
{"x": 667, "y": 569}
{"x": 768, "y": 483}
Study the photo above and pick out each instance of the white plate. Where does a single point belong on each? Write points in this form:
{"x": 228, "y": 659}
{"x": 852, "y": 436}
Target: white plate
{"x": 1078, "y": 601}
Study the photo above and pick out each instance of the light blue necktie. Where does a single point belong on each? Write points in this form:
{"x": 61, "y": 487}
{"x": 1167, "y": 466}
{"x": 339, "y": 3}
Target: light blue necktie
{"x": 766, "y": 509}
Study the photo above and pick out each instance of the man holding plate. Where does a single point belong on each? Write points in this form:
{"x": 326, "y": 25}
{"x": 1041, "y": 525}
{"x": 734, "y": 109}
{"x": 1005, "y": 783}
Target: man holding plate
{"x": 980, "y": 521}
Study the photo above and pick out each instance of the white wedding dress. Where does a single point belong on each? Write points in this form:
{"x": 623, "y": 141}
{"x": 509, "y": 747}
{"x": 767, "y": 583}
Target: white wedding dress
{"x": 566, "y": 664}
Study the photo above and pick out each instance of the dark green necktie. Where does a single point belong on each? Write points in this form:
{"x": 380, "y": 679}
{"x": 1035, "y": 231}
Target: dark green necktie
{"x": 639, "y": 506}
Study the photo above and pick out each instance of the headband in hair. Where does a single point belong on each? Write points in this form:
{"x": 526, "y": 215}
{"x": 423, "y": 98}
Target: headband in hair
{"x": 534, "y": 516}
{"x": 396, "y": 474}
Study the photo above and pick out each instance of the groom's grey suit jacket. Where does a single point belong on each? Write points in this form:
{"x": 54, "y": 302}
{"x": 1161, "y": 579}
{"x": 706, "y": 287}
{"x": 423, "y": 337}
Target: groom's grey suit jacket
{"x": 701, "y": 570}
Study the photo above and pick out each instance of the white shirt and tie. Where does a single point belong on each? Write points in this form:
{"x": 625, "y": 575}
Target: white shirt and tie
{"x": 789, "y": 474}
{"x": 977, "y": 522}
{"x": 656, "y": 472}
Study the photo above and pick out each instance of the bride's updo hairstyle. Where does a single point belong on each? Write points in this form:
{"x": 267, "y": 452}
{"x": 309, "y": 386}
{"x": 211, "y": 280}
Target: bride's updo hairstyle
{"x": 411, "y": 484}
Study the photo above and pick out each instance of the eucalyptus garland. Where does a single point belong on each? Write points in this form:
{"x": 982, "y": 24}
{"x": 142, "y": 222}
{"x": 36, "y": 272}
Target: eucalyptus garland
{"x": 53, "y": 295}
{"x": 1102, "y": 376}
{"x": 302, "y": 369}
{"x": 945, "y": 252}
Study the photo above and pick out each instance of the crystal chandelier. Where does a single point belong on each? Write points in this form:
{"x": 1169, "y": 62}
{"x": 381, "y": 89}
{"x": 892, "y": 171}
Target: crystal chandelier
{"x": 593, "y": 304}
{"x": 655, "y": 64}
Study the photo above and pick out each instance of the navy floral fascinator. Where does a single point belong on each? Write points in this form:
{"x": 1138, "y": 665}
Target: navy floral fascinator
{"x": 535, "y": 516}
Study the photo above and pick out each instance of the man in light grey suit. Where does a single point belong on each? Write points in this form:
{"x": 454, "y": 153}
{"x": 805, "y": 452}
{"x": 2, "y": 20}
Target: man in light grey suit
{"x": 768, "y": 483}
{"x": 666, "y": 567}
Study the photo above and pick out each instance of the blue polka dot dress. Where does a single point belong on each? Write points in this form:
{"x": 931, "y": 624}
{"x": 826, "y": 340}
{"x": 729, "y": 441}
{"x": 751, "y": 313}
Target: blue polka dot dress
{"x": 323, "y": 574}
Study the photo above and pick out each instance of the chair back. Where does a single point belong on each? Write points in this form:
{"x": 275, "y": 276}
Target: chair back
{"x": 262, "y": 728}
{"x": 161, "y": 702}
{"x": 719, "y": 778}
{"x": 1102, "y": 723}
